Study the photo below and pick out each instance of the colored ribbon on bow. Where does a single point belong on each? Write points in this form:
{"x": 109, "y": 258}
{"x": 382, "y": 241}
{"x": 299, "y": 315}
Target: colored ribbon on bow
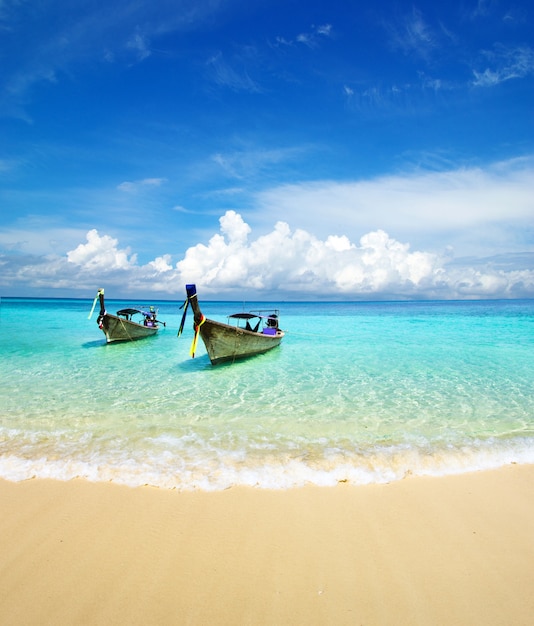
{"x": 184, "y": 306}
{"x": 195, "y": 338}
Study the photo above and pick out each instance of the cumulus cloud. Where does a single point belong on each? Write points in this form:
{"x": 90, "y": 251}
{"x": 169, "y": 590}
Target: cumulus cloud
{"x": 279, "y": 264}
{"x": 162, "y": 263}
{"x": 296, "y": 262}
{"x": 101, "y": 253}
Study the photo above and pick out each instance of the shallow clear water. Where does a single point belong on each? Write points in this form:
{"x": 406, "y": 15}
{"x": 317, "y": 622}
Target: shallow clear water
{"x": 357, "y": 392}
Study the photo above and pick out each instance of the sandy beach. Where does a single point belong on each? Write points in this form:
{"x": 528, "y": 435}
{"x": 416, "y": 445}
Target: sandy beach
{"x": 456, "y": 550}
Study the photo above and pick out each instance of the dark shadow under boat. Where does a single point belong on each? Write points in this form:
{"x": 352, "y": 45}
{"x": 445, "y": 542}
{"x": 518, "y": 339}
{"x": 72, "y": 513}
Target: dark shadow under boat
{"x": 245, "y": 335}
{"x": 128, "y": 324}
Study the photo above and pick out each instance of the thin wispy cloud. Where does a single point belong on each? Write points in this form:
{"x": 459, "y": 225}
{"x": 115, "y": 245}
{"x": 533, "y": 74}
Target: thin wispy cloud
{"x": 140, "y": 44}
{"x": 86, "y": 34}
{"x": 133, "y": 187}
{"x": 416, "y": 37}
{"x": 326, "y": 30}
{"x": 310, "y": 38}
{"x": 484, "y": 8}
{"x": 413, "y": 35}
{"x": 454, "y": 205}
{"x": 225, "y": 74}
{"x": 247, "y": 162}
{"x": 505, "y": 63}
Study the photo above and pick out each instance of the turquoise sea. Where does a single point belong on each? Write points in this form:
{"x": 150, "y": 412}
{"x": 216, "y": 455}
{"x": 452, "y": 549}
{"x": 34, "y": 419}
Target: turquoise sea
{"x": 357, "y": 392}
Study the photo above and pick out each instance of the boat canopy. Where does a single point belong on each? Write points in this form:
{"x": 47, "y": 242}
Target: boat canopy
{"x": 244, "y": 316}
{"x": 132, "y": 312}
{"x": 260, "y": 314}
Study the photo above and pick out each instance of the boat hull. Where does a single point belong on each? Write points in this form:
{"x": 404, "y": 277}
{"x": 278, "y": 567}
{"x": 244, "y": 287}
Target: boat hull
{"x": 229, "y": 343}
{"x": 118, "y": 329}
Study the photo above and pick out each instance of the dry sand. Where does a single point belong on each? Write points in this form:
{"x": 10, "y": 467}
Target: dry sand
{"x": 429, "y": 551}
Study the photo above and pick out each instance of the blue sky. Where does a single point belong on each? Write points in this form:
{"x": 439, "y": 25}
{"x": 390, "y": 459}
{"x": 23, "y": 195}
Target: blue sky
{"x": 268, "y": 148}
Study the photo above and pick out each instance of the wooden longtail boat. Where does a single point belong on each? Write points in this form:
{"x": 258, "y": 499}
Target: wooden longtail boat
{"x": 245, "y": 335}
{"x": 128, "y": 325}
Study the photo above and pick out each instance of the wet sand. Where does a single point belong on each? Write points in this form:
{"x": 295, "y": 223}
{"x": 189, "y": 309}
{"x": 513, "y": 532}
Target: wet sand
{"x": 424, "y": 551}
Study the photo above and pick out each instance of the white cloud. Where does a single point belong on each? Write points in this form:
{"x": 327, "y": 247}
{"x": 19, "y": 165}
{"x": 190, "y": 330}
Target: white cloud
{"x": 449, "y": 234}
{"x": 162, "y": 263}
{"x": 506, "y": 63}
{"x": 281, "y": 263}
{"x": 310, "y": 38}
{"x": 101, "y": 253}
{"x": 140, "y": 44}
{"x": 298, "y": 262}
{"x": 133, "y": 187}
{"x": 224, "y": 74}
{"x": 475, "y": 210}
{"x": 413, "y": 35}
{"x": 324, "y": 29}
{"x": 233, "y": 226}
{"x": 242, "y": 164}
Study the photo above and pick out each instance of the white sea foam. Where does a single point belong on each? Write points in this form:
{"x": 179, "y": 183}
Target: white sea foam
{"x": 219, "y": 470}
